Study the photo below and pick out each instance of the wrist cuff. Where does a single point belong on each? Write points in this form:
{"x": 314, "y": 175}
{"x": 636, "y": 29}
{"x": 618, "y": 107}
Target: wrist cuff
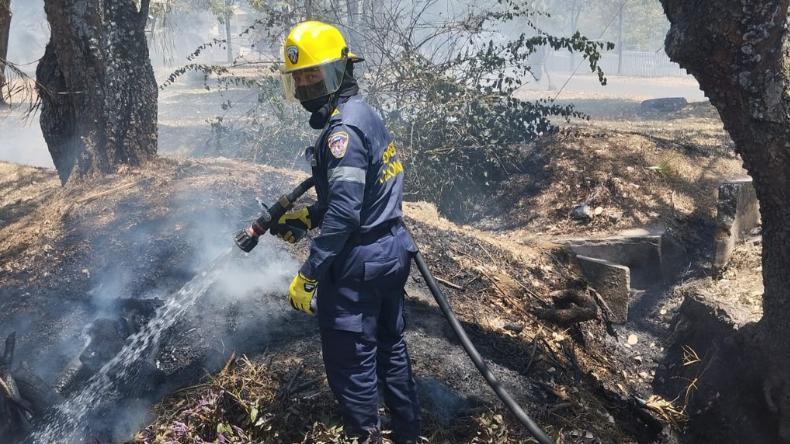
{"x": 302, "y": 275}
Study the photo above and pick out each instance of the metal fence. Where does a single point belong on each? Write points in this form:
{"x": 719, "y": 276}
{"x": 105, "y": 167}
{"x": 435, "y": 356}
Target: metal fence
{"x": 637, "y": 64}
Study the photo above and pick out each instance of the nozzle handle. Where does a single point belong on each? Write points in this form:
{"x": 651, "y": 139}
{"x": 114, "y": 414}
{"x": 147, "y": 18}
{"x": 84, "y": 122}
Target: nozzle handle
{"x": 298, "y": 233}
{"x": 247, "y": 239}
{"x": 283, "y": 230}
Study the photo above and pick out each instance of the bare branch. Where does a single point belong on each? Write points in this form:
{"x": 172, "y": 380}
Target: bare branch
{"x": 19, "y": 89}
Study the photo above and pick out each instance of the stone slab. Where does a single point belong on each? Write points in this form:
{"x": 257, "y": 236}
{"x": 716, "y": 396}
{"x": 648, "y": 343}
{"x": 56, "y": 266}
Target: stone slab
{"x": 651, "y": 257}
{"x": 664, "y": 104}
{"x": 715, "y": 313}
{"x": 611, "y": 281}
{"x": 639, "y": 254}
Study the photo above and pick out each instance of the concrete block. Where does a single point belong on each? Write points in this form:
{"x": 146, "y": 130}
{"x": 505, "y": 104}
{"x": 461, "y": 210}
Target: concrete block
{"x": 714, "y": 313}
{"x": 674, "y": 259}
{"x": 651, "y": 256}
{"x": 639, "y": 254}
{"x": 738, "y": 213}
{"x": 612, "y": 281}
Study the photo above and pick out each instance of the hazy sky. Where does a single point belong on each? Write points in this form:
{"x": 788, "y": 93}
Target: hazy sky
{"x": 20, "y": 141}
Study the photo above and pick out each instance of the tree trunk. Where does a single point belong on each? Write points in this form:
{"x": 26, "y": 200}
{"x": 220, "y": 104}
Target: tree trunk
{"x": 308, "y": 7}
{"x": 229, "y": 45}
{"x": 5, "y": 27}
{"x": 740, "y": 54}
{"x": 355, "y": 41}
{"x": 352, "y": 7}
{"x": 576, "y": 12}
{"x": 228, "y": 17}
{"x": 620, "y": 42}
{"x": 97, "y": 86}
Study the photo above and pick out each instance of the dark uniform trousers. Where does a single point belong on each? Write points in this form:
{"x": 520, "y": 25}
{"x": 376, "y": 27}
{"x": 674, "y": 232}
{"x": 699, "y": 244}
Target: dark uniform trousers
{"x": 360, "y": 313}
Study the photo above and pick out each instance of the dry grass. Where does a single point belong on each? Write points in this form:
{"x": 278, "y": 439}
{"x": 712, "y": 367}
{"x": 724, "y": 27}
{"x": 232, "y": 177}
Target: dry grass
{"x": 649, "y": 168}
{"x": 637, "y": 169}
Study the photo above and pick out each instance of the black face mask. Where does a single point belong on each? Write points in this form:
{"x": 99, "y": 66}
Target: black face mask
{"x": 313, "y": 105}
{"x": 320, "y": 109}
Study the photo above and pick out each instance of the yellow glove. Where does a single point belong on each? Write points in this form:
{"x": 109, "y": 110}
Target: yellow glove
{"x": 301, "y": 293}
{"x": 292, "y": 226}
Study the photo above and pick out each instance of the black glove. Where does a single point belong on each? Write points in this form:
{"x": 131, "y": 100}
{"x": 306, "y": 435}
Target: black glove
{"x": 292, "y": 226}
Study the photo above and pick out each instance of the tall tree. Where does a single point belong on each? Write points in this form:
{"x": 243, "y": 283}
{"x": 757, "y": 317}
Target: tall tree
{"x": 228, "y": 37}
{"x": 5, "y": 28}
{"x": 97, "y": 86}
{"x": 739, "y": 52}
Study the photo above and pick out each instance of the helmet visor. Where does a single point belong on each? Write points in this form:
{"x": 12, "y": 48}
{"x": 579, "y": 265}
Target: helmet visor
{"x": 314, "y": 81}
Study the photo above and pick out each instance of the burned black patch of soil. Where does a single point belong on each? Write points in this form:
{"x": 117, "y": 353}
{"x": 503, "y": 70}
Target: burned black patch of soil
{"x": 69, "y": 254}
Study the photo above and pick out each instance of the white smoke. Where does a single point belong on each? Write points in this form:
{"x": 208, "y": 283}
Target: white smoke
{"x": 262, "y": 273}
{"x": 28, "y": 35}
{"x": 23, "y": 143}
{"x": 21, "y": 140}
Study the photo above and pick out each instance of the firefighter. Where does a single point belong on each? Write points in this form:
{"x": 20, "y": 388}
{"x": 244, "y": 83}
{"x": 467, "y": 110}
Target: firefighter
{"x": 359, "y": 263}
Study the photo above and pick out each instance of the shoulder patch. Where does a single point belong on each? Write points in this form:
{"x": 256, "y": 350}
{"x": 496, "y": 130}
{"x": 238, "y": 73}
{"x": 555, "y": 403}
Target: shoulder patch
{"x": 335, "y": 112}
{"x": 338, "y": 142}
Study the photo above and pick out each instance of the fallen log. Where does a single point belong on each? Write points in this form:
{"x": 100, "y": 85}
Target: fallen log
{"x": 39, "y": 396}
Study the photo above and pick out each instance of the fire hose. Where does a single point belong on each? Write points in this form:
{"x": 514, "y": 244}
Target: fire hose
{"x": 470, "y": 349}
{"x": 246, "y": 239}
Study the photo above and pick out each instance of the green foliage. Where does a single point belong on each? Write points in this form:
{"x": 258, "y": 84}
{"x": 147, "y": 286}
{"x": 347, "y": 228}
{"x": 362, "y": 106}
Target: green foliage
{"x": 455, "y": 113}
{"x": 207, "y": 70}
{"x": 446, "y": 87}
{"x": 272, "y": 132}
{"x": 645, "y": 26}
{"x": 218, "y": 8}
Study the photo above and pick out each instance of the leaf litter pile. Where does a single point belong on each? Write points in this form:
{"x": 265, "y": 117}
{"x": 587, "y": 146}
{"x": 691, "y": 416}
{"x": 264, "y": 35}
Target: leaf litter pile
{"x": 495, "y": 277}
{"x": 496, "y": 272}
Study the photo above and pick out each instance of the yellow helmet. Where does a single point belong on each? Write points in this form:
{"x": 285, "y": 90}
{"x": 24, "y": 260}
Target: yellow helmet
{"x": 315, "y": 57}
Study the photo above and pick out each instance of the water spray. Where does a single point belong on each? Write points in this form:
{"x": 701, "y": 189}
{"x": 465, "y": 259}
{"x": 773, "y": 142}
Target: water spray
{"x": 68, "y": 420}
{"x": 246, "y": 239}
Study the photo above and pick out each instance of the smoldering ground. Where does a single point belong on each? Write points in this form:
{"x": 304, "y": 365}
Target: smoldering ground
{"x": 85, "y": 293}
{"x": 237, "y": 313}
{"x": 118, "y": 266}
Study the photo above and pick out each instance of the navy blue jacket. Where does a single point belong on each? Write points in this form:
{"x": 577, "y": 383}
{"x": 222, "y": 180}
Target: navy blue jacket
{"x": 358, "y": 181}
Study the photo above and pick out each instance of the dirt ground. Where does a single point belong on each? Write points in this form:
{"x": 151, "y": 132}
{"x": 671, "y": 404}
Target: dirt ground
{"x": 69, "y": 254}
